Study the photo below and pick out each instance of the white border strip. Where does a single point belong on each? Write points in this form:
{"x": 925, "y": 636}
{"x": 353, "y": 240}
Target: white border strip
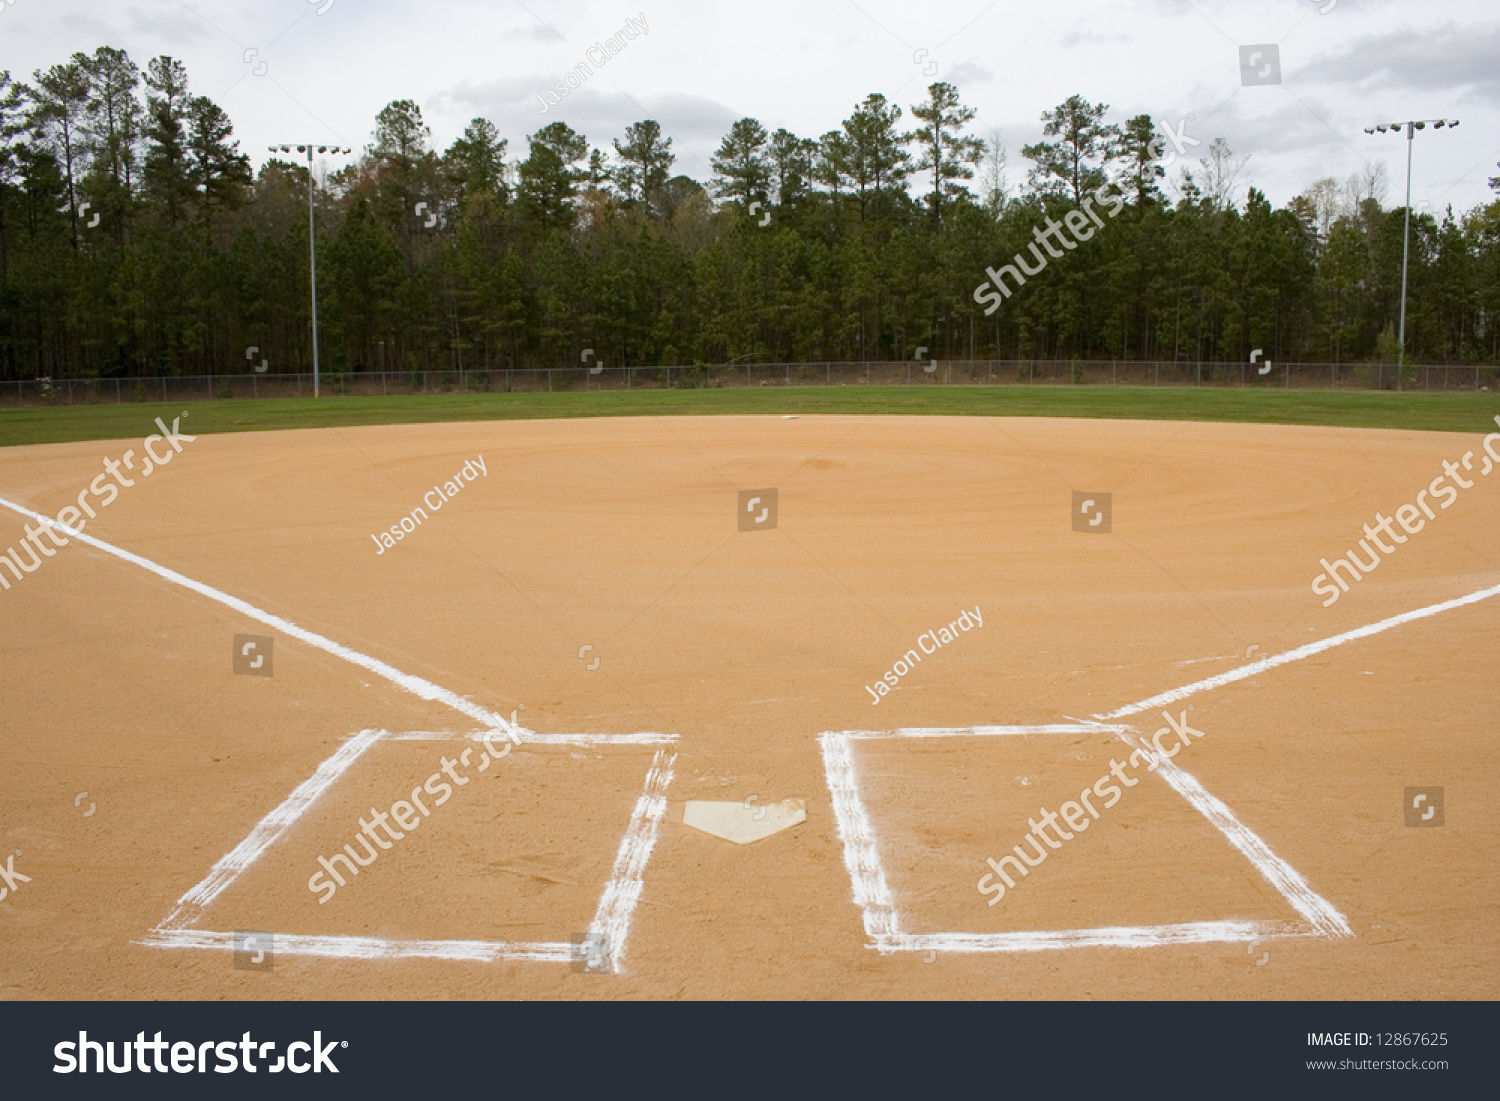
{"x": 417, "y": 686}
{"x": 605, "y": 944}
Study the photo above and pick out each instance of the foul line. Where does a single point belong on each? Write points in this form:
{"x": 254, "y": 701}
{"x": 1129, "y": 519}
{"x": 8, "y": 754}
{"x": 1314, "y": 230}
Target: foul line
{"x": 408, "y": 682}
{"x": 1297, "y": 655}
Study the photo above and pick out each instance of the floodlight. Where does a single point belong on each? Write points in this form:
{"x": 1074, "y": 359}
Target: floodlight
{"x": 1412, "y": 127}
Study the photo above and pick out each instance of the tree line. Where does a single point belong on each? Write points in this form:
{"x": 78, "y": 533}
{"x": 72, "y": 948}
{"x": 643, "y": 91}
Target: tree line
{"x": 135, "y": 240}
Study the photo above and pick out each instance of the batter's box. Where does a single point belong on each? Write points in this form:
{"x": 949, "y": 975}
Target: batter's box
{"x": 884, "y": 925}
{"x": 600, "y": 949}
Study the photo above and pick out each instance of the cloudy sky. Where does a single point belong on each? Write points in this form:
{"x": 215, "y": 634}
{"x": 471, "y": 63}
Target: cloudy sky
{"x": 319, "y": 70}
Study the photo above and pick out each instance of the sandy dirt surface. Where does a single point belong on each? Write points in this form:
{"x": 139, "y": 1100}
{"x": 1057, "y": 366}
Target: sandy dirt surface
{"x": 622, "y": 537}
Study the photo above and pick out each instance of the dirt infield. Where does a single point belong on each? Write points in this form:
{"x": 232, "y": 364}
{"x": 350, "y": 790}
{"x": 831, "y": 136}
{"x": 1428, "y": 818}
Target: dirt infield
{"x": 593, "y": 578}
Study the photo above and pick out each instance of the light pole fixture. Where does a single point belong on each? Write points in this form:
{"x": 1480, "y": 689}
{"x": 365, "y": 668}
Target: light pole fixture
{"x": 1412, "y": 126}
{"x": 312, "y": 237}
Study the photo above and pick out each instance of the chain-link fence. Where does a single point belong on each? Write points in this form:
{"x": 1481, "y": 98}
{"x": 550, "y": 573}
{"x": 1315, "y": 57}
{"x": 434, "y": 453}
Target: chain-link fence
{"x": 1296, "y": 376}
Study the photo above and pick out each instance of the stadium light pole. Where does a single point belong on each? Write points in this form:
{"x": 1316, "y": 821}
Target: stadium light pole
{"x": 1412, "y": 126}
{"x": 312, "y": 239}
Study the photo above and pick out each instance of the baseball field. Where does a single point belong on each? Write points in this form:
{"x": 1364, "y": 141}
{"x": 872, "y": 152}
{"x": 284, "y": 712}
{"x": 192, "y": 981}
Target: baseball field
{"x": 1089, "y": 705}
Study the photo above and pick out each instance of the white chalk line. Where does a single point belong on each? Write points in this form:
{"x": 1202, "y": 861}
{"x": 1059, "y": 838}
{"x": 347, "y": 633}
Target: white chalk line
{"x": 269, "y": 830}
{"x": 985, "y": 731}
{"x": 1298, "y": 654}
{"x": 604, "y": 948}
{"x": 417, "y": 686}
{"x": 861, "y": 856}
{"x": 1110, "y": 936}
{"x": 532, "y": 738}
{"x": 372, "y": 948}
{"x": 1318, "y": 911}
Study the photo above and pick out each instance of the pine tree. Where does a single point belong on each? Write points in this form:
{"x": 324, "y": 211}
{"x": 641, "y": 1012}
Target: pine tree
{"x": 948, "y": 153}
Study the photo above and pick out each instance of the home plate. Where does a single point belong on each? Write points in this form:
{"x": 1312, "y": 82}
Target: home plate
{"x": 744, "y": 822}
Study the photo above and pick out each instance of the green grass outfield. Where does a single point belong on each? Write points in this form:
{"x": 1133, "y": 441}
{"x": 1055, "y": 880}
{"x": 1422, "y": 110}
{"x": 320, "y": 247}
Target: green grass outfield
{"x": 1452, "y": 412}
